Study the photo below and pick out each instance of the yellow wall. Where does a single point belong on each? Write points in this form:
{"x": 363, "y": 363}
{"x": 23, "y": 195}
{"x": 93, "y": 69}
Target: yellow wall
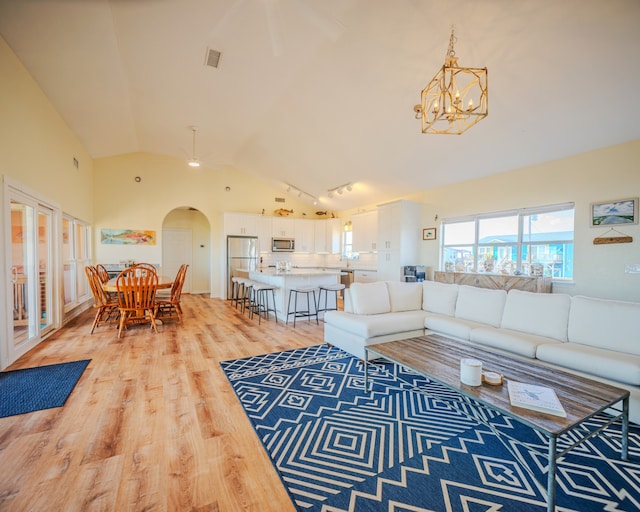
{"x": 169, "y": 183}
{"x": 36, "y": 145}
{"x": 600, "y": 175}
{"x": 36, "y": 153}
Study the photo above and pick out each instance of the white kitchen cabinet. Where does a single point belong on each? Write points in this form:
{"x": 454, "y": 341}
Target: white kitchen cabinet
{"x": 398, "y": 238}
{"x": 389, "y": 266}
{"x": 265, "y": 234}
{"x": 327, "y": 236}
{"x": 247, "y": 224}
{"x": 365, "y": 276}
{"x": 282, "y": 227}
{"x": 364, "y": 227}
{"x": 305, "y": 235}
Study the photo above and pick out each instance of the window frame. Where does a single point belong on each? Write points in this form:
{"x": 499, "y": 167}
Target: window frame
{"x": 79, "y": 257}
{"x": 521, "y": 241}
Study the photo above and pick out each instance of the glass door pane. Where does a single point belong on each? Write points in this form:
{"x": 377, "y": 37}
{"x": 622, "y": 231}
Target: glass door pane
{"x": 22, "y": 273}
{"x": 67, "y": 259}
{"x": 45, "y": 293}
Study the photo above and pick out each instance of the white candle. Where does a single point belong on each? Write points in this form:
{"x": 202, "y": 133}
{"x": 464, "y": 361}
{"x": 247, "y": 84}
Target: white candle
{"x": 471, "y": 372}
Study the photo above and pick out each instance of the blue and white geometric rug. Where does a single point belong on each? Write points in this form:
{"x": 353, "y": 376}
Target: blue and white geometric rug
{"x": 337, "y": 448}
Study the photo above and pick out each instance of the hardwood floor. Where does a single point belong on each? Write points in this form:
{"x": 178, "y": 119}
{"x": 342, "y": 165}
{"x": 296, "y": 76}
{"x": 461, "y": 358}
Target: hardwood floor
{"x": 153, "y": 424}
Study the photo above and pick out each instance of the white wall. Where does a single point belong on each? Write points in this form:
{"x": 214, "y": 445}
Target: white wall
{"x": 600, "y": 175}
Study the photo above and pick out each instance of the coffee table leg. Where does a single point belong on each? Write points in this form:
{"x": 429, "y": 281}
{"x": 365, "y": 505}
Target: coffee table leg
{"x": 551, "y": 477}
{"x": 625, "y": 429}
{"x": 366, "y": 371}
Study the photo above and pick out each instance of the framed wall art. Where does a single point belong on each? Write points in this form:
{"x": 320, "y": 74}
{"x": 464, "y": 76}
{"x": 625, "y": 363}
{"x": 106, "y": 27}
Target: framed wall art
{"x": 608, "y": 213}
{"x": 127, "y": 237}
{"x": 429, "y": 234}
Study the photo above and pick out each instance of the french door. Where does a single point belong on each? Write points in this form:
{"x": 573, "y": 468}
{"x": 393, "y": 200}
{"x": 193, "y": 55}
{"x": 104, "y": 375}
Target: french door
{"x": 31, "y": 271}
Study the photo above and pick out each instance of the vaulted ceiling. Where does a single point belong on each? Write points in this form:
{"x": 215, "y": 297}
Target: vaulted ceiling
{"x": 318, "y": 93}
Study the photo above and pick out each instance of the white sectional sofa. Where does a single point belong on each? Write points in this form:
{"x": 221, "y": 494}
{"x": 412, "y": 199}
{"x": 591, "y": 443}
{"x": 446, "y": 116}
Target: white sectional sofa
{"x": 597, "y": 338}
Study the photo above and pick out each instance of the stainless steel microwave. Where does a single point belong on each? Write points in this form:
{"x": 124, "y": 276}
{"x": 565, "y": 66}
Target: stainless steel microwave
{"x": 283, "y": 244}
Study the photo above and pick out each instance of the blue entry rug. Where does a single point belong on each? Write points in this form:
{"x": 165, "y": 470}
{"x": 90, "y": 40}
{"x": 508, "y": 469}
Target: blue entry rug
{"x": 43, "y": 387}
{"x": 398, "y": 448}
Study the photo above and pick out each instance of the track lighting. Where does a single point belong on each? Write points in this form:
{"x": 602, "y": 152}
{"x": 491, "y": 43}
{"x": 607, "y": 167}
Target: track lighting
{"x": 340, "y": 189}
{"x": 294, "y": 189}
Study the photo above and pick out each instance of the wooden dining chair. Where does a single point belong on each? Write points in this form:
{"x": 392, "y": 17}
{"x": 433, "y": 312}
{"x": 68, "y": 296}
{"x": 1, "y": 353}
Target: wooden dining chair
{"x": 136, "y": 297}
{"x": 102, "y": 272}
{"x": 143, "y": 268}
{"x": 107, "y": 310}
{"x": 170, "y": 307}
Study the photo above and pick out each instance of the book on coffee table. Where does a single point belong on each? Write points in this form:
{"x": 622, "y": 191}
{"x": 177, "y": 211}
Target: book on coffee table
{"x": 536, "y": 398}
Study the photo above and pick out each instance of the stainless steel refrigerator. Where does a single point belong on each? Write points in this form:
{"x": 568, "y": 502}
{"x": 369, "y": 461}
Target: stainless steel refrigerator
{"x": 242, "y": 255}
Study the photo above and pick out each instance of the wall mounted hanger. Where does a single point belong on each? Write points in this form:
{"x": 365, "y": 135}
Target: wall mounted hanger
{"x": 621, "y": 238}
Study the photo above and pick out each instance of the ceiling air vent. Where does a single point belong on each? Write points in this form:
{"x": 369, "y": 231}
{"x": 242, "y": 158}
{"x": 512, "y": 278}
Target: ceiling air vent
{"x": 213, "y": 58}
{"x": 279, "y": 199}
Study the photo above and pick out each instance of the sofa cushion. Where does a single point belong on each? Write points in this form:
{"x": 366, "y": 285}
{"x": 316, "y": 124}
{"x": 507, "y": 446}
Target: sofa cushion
{"x": 370, "y": 298}
{"x": 521, "y": 343}
{"x": 481, "y": 305}
{"x": 543, "y": 314}
{"x": 602, "y": 323}
{"x": 346, "y": 302}
{"x": 609, "y": 364}
{"x": 405, "y": 296}
{"x": 369, "y": 326}
{"x": 450, "y": 326}
{"x": 439, "y": 297}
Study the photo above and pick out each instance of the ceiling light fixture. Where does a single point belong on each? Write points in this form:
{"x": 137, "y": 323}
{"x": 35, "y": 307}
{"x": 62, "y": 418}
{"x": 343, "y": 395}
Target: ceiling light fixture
{"x": 340, "y": 189}
{"x": 455, "y": 99}
{"x": 296, "y": 190}
{"x": 193, "y": 162}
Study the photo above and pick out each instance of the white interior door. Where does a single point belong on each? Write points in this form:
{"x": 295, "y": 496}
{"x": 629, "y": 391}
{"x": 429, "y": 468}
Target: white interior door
{"x": 177, "y": 249}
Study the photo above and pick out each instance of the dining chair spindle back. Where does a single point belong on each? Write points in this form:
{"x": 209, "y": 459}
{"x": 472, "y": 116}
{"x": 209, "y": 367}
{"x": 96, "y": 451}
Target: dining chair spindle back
{"x": 170, "y": 308}
{"x": 136, "y": 295}
{"x": 102, "y": 272}
{"x": 106, "y": 306}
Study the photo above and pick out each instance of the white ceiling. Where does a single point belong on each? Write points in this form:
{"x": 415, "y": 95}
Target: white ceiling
{"x": 318, "y": 93}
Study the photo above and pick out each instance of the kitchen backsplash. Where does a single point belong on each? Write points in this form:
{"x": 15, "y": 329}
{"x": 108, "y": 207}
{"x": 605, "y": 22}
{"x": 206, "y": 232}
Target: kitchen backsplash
{"x": 366, "y": 261}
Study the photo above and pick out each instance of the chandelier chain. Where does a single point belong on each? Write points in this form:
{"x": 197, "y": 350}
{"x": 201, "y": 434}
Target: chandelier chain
{"x": 450, "y": 51}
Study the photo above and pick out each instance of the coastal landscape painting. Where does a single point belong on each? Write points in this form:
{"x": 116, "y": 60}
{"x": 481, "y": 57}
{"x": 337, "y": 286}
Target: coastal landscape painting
{"x": 621, "y": 211}
{"x": 127, "y": 237}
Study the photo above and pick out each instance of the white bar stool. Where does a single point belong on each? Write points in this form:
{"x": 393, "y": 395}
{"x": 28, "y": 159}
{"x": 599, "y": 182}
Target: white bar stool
{"x": 237, "y": 290}
{"x": 247, "y": 295}
{"x": 260, "y": 302}
{"x": 326, "y": 288}
{"x": 299, "y": 313}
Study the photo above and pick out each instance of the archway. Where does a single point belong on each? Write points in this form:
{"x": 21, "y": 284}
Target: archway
{"x": 186, "y": 239}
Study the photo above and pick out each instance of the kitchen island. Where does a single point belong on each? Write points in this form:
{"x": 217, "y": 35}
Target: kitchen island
{"x": 285, "y": 280}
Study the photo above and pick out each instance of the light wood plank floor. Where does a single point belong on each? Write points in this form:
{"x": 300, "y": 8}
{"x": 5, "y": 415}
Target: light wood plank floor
{"x": 153, "y": 424}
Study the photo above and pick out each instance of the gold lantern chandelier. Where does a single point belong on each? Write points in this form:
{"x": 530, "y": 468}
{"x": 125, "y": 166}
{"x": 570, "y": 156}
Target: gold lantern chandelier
{"x": 455, "y": 99}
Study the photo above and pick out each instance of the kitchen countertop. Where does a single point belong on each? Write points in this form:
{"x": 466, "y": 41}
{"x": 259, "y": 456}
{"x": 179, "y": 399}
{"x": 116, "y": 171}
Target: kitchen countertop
{"x": 341, "y": 269}
{"x": 300, "y": 272}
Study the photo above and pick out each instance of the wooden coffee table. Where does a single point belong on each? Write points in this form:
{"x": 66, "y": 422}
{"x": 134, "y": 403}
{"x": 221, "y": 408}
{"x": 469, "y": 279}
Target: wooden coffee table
{"x": 438, "y": 358}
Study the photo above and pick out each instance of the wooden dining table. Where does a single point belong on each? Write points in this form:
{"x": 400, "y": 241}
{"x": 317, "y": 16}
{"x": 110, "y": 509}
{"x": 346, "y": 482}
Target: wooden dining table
{"x": 164, "y": 282}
